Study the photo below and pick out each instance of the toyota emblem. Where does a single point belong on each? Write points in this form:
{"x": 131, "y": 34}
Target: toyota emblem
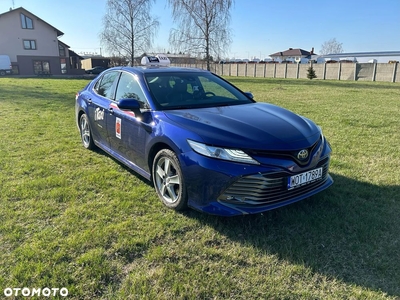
{"x": 303, "y": 154}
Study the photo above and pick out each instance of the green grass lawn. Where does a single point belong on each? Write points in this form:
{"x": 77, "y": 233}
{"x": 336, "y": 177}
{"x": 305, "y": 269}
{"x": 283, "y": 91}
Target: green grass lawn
{"x": 78, "y": 219}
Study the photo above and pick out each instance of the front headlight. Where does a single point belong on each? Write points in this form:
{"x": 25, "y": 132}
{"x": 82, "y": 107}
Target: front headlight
{"x": 222, "y": 153}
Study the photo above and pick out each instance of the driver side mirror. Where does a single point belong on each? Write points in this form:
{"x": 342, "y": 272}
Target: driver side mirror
{"x": 129, "y": 103}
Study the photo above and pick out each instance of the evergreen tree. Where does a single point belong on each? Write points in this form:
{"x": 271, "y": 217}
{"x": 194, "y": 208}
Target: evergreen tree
{"x": 311, "y": 73}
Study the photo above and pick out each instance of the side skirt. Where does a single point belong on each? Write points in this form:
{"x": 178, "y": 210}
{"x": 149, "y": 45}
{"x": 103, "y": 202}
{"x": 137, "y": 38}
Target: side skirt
{"x": 126, "y": 162}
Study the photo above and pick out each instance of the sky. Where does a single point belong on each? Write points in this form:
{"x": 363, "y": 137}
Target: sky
{"x": 258, "y": 27}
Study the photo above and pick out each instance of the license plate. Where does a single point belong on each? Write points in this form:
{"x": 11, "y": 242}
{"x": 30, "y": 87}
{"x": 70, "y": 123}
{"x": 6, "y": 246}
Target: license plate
{"x": 304, "y": 178}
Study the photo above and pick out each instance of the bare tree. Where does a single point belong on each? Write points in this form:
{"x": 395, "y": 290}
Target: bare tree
{"x": 128, "y": 27}
{"x": 203, "y": 27}
{"x": 331, "y": 47}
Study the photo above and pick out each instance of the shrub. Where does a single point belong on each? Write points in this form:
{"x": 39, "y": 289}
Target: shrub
{"x": 311, "y": 73}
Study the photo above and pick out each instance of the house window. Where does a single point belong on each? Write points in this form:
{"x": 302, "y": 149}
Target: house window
{"x": 63, "y": 65}
{"x": 26, "y": 22}
{"x": 29, "y": 45}
{"x": 41, "y": 67}
{"x": 61, "y": 50}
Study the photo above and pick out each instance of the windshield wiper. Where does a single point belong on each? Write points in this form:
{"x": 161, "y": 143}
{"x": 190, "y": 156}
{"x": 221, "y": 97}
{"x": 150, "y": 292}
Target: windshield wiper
{"x": 178, "y": 107}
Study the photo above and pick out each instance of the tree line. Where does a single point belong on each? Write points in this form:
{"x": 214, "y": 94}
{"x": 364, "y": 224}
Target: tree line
{"x": 202, "y": 28}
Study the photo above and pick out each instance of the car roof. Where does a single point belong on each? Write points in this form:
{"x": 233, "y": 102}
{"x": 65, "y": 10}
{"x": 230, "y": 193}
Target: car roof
{"x": 149, "y": 70}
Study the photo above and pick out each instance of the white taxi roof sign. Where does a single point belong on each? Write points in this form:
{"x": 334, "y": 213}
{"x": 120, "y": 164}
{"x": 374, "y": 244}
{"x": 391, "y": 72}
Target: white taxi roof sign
{"x": 158, "y": 60}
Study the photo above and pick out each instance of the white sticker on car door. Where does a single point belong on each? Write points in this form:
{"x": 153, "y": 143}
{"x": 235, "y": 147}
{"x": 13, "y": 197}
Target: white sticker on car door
{"x": 118, "y": 128}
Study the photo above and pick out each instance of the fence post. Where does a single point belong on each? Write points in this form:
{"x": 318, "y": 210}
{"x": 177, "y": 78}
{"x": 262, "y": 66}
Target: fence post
{"x": 285, "y": 71}
{"x": 274, "y": 70}
{"x": 255, "y": 69}
{"x": 374, "y": 73}
{"x": 355, "y": 72}
{"x": 340, "y": 70}
{"x": 394, "y": 72}
{"x": 324, "y": 72}
{"x": 265, "y": 69}
{"x": 297, "y": 71}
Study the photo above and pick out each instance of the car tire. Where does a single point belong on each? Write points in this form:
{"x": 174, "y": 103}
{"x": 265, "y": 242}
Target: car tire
{"x": 2, "y": 73}
{"x": 86, "y": 132}
{"x": 168, "y": 180}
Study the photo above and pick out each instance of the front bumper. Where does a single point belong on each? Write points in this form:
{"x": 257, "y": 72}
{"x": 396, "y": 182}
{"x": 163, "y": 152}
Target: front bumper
{"x": 229, "y": 189}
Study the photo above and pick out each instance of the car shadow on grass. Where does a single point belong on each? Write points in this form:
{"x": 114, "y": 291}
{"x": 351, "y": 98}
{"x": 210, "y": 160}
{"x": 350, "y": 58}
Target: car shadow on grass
{"x": 138, "y": 176}
{"x": 349, "y": 232}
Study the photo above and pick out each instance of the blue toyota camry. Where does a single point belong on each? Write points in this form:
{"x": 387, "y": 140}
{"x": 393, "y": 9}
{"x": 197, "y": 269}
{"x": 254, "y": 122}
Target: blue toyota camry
{"x": 204, "y": 143}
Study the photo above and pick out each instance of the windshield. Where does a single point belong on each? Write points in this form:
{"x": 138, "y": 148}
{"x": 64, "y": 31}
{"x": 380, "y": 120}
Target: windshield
{"x": 192, "y": 90}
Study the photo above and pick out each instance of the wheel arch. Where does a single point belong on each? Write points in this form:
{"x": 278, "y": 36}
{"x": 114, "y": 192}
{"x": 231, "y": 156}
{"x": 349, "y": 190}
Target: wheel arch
{"x": 157, "y": 147}
{"x": 80, "y": 113}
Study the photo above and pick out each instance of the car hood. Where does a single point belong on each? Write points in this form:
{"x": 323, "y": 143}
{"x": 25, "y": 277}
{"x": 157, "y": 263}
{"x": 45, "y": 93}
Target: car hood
{"x": 248, "y": 126}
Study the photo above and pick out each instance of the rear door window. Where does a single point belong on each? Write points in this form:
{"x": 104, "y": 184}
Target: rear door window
{"x": 106, "y": 85}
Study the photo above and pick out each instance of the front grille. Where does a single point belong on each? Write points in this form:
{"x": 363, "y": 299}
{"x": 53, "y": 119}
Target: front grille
{"x": 287, "y": 154}
{"x": 268, "y": 188}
